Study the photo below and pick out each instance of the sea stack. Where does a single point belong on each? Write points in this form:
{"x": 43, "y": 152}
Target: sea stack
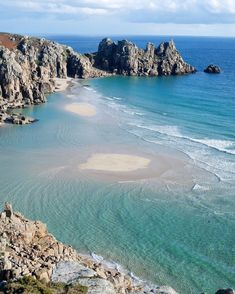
{"x": 125, "y": 58}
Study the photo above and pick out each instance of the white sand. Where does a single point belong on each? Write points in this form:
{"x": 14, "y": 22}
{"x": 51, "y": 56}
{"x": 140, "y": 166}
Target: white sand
{"x": 82, "y": 109}
{"x": 62, "y": 84}
{"x": 115, "y": 162}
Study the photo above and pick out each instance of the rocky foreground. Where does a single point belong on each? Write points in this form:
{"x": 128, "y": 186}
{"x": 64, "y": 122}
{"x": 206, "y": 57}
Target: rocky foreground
{"x": 28, "y": 250}
{"x": 29, "y": 67}
{"x": 33, "y": 261}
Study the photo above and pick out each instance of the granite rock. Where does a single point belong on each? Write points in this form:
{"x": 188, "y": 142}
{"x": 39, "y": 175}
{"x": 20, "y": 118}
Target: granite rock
{"x": 125, "y": 58}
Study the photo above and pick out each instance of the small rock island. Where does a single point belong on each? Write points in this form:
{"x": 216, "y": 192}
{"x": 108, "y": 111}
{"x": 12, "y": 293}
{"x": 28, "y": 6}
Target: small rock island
{"x": 212, "y": 69}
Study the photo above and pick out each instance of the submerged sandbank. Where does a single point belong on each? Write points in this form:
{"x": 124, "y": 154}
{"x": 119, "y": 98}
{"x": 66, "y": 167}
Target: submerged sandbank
{"x": 82, "y": 109}
{"x": 113, "y": 162}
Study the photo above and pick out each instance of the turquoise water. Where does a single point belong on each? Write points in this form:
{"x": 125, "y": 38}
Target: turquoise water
{"x": 176, "y": 229}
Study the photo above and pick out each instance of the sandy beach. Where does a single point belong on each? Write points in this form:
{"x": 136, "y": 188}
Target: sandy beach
{"x": 61, "y": 84}
{"x": 115, "y": 162}
{"x": 82, "y": 109}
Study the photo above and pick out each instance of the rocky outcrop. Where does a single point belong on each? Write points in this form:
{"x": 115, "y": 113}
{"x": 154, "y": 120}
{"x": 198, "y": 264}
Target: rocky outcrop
{"x": 213, "y": 69}
{"x": 27, "y": 249}
{"x": 125, "y": 58}
{"x": 29, "y": 67}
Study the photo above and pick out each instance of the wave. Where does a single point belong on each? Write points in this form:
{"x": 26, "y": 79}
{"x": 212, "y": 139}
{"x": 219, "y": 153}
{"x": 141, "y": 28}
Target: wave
{"x": 200, "y": 188}
{"x": 117, "y": 98}
{"x": 174, "y": 131}
{"x": 89, "y": 88}
{"x": 108, "y": 98}
{"x": 162, "y": 129}
{"x": 221, "y": 145}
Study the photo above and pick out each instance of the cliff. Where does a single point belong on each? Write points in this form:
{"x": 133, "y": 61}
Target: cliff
{"x": 29, "y": 67}
{"x": 28, "y": 250}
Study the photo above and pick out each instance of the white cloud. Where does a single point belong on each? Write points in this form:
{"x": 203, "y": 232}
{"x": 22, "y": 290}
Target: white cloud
{"x": 155, "y": 11}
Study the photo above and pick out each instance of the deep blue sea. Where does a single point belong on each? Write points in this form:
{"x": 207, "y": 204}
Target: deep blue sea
{"x": 176, "y": 227}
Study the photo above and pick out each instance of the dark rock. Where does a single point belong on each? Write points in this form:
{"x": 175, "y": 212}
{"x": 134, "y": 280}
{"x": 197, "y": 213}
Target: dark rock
{"x": 8, "y": 209}
{"x": 214, "y": 69}
{"x": 225, "y": 291}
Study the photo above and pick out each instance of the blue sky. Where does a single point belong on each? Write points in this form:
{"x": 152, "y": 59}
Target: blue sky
{"x": 119, "y": 17}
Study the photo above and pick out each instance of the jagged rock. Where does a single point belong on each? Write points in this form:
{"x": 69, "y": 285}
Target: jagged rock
{"x": 225, "y": 291}
{"x": 126, "y": 58}
{"x": 214, "y": 69}
{"x": 8, "y": 210}
{"x": 70, "y": 271}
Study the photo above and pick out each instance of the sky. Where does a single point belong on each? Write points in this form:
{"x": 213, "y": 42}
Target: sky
{"x": 119, "y": 17}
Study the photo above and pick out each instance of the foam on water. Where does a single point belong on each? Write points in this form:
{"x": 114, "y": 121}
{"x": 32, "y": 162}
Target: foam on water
{"x": 162, "y": 129}
{"x": 221, "y": 145}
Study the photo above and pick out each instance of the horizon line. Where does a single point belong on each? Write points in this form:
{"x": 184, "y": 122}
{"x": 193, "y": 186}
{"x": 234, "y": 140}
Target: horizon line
{"x": 119, "y": 35}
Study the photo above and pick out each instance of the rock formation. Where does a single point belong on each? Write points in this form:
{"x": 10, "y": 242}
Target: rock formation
{"x": 29, "y": 67}
{"x": 214, "y": 69}
{"x": 225, "y": 291}
{"x": 27, "y": 249}
{"x": 125, "y": 58}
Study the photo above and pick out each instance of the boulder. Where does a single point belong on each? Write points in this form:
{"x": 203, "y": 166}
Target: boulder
{"x": 8, "y": 210}
{"x": 212, "y": 69}
{"x": 69, "y": 272}
{"x": 97, "y": 286}
{"x": 225, "y": 291}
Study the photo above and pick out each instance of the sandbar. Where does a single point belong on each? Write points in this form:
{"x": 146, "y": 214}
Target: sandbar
{"x": 112, "y": 162}
{"x": 82, "y": 109}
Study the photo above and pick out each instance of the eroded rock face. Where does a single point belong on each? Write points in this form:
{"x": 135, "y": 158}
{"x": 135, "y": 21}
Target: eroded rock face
{"x": 125, "y": 58}
{"x": 29, "y": 68}
{"x": 213, "y": 69}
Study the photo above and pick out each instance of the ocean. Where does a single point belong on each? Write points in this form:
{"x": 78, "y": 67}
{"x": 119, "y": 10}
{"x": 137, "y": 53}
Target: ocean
{"x": 174, "y": 227}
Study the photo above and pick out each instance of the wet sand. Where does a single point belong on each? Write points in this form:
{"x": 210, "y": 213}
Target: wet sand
{"x": 82, "y": 109}
{"x": 113, "y": 162}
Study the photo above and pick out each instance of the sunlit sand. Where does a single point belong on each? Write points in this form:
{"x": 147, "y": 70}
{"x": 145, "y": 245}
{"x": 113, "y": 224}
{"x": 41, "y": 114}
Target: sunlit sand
{"x": 115, "y": 162}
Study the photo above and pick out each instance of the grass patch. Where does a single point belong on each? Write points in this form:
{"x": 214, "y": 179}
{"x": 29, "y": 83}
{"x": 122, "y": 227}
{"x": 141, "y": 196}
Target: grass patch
{"x": 28, "y": 285}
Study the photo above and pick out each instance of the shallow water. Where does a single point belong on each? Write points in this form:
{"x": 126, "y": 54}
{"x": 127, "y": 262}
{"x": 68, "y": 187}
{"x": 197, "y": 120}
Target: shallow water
{"x": 175, "y": 227}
